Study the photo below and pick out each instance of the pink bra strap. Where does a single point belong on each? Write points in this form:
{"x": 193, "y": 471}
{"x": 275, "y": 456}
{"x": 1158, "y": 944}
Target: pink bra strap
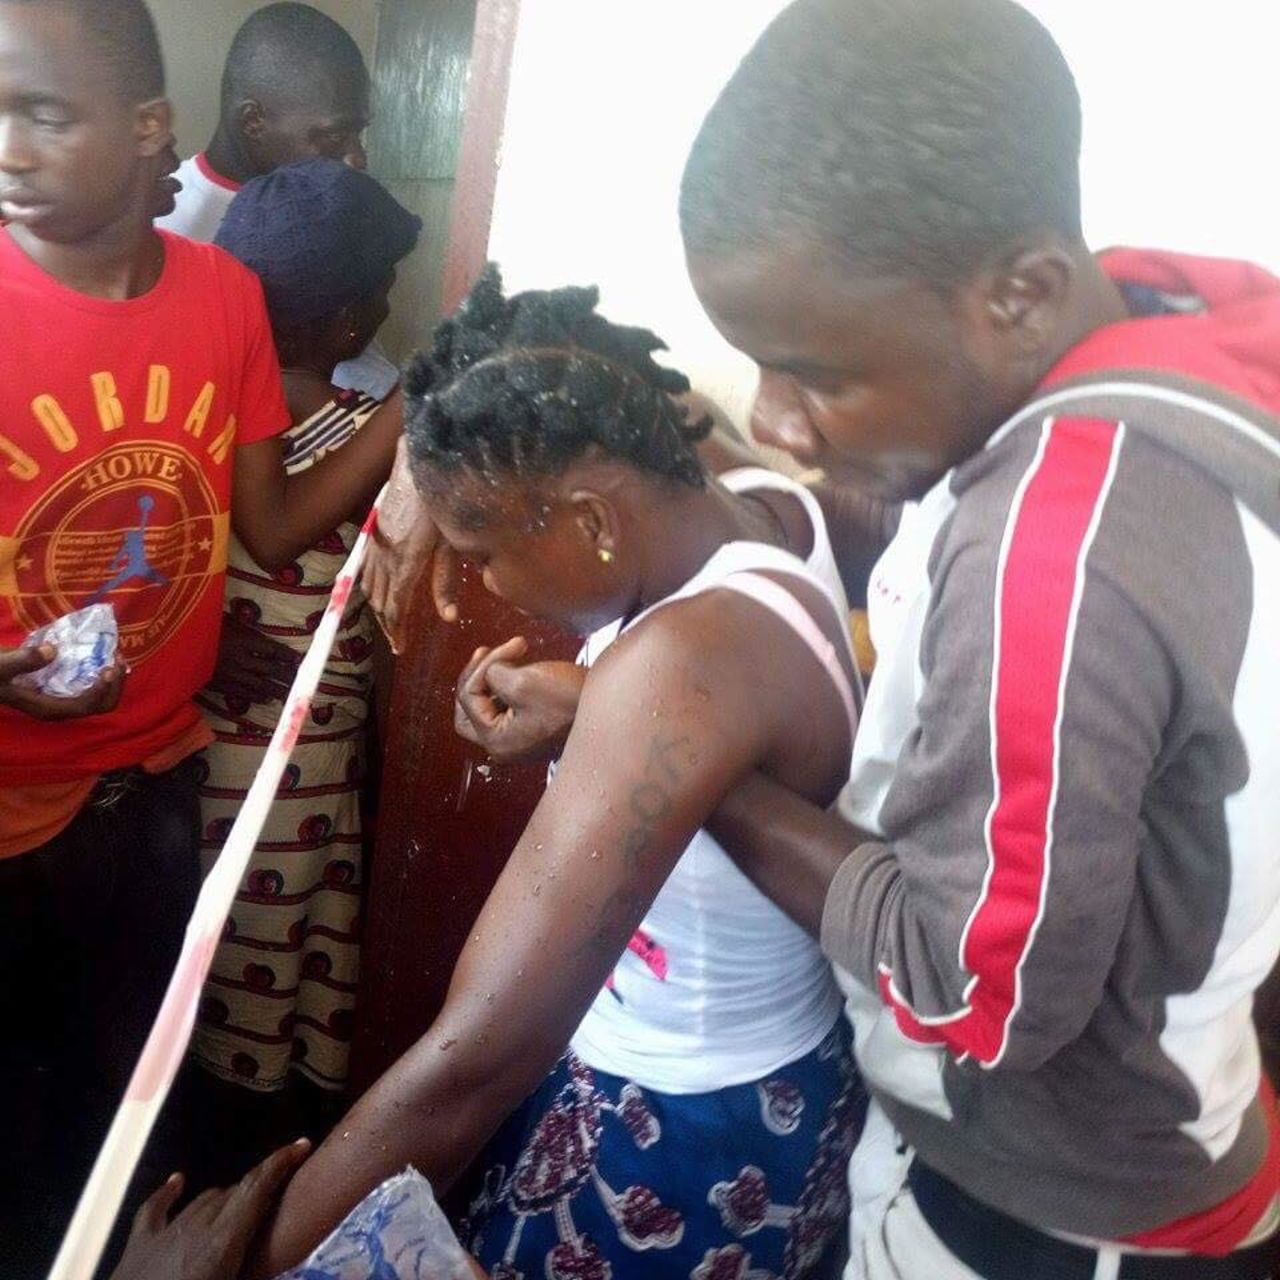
{"x": 780, "y": 602}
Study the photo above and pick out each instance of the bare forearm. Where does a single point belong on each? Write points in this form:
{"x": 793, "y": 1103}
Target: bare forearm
{"x": 430, "y": 1110}
{"x": 788, "y": 848}
{"x": 278, "y": 517}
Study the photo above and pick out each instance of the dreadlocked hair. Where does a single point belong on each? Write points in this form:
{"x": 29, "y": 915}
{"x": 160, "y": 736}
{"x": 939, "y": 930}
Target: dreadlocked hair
{"x": 525, "y": 385}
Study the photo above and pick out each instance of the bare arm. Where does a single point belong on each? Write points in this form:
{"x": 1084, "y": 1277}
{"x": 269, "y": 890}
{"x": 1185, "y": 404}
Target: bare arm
{"x": 639, "y": 776}
{"x": 517, "y": 713}
{"x": 209, "y": 1239}
{"x": 787, "y": 847}
{"x": 404, "y": 544}
{"x": 278, "y": 516}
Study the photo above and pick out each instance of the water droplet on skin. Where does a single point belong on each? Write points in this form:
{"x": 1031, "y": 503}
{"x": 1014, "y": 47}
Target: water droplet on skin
{"x": 595, "y": 855}
{"x": 537, "y": 890}
{"x": 489, "y": 998}
{"x": 346, "y": 1134}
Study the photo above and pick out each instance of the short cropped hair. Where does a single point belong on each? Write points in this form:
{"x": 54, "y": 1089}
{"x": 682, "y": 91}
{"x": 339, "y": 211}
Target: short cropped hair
{"x": 125, "y": 32}
{"x": 288, "y": 49}
{"x": 904, "y": 138}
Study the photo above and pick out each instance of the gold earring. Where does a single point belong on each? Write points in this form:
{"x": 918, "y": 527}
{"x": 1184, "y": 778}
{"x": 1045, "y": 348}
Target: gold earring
{"x": 606, "y": 556}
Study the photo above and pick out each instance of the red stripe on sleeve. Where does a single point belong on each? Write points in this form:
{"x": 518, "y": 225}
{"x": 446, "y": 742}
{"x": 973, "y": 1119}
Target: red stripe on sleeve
{"x": 1038, "y": 599}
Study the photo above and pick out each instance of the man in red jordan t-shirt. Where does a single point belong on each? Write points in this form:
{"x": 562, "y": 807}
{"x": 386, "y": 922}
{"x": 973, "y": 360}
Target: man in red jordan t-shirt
{"x": 139, "y": 391}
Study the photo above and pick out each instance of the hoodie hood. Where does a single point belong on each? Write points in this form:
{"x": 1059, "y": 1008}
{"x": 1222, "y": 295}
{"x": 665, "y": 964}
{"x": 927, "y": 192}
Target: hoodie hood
{"x": 1218, "y": 322}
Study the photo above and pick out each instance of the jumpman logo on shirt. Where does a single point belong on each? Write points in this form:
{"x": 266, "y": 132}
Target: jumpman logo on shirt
{"x": 131, "y": 562}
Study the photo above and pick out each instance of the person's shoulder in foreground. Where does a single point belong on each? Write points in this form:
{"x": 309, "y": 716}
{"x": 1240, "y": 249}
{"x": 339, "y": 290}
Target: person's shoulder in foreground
{"x": 1061, "y": 902}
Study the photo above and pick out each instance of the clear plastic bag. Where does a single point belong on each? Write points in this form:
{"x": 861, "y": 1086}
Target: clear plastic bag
{"x": 86, "y": 642}
{"x": 398, "y": 1232}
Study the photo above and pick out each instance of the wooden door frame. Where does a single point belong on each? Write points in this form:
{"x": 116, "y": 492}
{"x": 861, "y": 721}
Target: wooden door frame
{"x": 484, "y": 119}
{"x": 446, "y": 820}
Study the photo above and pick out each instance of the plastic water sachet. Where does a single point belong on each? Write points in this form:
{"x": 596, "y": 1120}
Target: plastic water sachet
{"x": 398, "y": 1232}
{"x": 86, "y": 642}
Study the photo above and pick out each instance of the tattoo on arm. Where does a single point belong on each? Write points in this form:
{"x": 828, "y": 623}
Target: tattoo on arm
{"x": 649, "y": 802}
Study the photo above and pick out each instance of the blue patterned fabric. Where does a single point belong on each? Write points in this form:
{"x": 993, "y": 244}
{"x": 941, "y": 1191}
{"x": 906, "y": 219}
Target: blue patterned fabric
{"x": 595, "y": 1178}
{"x": 397, "y": 1232}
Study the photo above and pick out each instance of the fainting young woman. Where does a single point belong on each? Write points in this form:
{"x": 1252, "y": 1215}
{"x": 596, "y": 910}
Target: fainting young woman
{"x": 700, "y": 1104}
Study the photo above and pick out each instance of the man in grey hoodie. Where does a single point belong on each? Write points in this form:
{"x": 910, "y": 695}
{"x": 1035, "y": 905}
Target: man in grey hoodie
{"x": 1051, "y": 889}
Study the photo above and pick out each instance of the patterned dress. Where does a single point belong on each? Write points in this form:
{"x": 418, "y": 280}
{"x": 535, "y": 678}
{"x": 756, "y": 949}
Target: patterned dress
{"x": 282, "y": 989}
{"x": 597, "y": 1178}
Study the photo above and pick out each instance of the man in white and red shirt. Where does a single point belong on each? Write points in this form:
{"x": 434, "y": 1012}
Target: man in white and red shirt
{"x": 295, "y": 87}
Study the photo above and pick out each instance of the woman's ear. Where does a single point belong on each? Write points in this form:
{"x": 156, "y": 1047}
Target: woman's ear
{"x": 597, "y": 521}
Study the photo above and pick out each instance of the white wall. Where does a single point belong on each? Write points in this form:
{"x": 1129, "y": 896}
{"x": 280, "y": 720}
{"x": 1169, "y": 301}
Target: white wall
{"x": 605, "y": 101}
{"x": 606, "y": 98}
{"x": 1180, "y": 121}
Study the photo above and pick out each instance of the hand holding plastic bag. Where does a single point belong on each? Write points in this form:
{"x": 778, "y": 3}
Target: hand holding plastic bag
{"x": 65, "y": 670}
{"x": 86, "y": 644}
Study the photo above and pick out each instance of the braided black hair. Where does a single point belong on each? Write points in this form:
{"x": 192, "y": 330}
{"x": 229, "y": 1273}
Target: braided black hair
{"x": 527, "y": 384}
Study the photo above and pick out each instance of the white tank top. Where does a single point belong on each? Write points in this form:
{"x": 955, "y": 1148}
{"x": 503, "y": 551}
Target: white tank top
{"x": 719, "y": 987}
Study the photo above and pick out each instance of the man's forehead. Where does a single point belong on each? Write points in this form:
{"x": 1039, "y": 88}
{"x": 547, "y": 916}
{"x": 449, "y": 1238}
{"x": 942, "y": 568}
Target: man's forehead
{"x": 777, "y": 303}
{"x": 324, "y": 97}
{"x": 44, "y": 52}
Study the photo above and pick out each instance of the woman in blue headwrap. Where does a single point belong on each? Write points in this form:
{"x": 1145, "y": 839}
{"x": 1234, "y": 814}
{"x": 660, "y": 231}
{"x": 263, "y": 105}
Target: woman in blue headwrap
{"x": 325, "y": 241}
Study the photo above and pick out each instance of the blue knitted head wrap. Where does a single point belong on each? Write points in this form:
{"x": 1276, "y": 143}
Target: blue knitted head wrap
{"x": 320, "y": 235}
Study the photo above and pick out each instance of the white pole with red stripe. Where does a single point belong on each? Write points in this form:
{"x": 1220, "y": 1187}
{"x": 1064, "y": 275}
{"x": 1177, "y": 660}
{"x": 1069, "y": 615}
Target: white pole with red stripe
{"x": 166, "y": 1046}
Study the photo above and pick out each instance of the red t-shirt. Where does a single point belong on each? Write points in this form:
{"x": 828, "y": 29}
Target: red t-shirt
{"x": 118, "y": 427}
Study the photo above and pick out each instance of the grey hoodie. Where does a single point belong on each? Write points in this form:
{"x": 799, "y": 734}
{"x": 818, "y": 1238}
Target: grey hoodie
{"x": 1071, "y": 755}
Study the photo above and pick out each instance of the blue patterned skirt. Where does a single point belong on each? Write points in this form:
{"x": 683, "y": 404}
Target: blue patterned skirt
{"x": 595, "y": 1178}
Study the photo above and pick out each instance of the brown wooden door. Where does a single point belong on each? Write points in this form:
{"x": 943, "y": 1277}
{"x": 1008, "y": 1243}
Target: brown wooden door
{"x": 447, "y": 820}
